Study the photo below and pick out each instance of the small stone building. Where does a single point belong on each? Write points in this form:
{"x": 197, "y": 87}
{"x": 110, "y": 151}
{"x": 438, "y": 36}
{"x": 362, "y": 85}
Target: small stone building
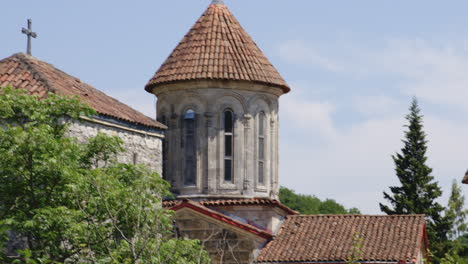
{"x": 142, "y": 136}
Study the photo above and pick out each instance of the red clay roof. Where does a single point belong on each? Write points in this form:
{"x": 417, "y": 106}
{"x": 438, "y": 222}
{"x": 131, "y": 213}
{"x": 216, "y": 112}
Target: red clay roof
{"x": 329, "y": 238}
{"x": 38, "y": 77}
{"x": 237, "y": 202}
{"x": 222, "y": 217}
{"x": 217, "y": 48}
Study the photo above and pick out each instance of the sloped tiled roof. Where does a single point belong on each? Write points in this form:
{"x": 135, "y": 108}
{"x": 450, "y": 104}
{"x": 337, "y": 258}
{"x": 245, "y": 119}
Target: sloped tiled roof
{"x": 221, "y": 217}
{"x": 217, "y": 48}
{"x": 237, "y": 202}
{"x": 330, "y": 238}
{"x": 26, "y": 72}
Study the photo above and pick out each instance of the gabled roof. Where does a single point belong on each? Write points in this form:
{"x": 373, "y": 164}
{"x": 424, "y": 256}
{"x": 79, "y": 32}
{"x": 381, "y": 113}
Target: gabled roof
{"x": 330, "y": 238}
{"x": 237, "y": 202}
{"x": 39, "y": 78}
{"x": 221, "y": 217}
{"x": 217, "y": 48}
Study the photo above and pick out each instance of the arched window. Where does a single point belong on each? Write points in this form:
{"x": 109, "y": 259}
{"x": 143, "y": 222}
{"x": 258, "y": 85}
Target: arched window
{"x": 228, "y": 144}
{"x": 190, "y": 149}
{"x": 261, "y": 148}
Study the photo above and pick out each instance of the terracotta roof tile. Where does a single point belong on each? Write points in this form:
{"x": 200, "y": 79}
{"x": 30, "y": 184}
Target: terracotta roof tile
{"x": 236, "y": 202}
{"x": 39, "y": 78}
{"x": 329, "y": 238}
{"x": 217, "y": 48}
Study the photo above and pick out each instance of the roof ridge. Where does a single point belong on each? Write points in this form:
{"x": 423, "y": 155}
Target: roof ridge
{"x": 356, "y": 215}
{"x": 25, "y": 60}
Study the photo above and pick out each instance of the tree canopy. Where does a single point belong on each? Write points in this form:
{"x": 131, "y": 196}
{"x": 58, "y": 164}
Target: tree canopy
{"x": 418, "y": 191}
{"x": 308, "y": 204}
{"x": 66, "y": 202}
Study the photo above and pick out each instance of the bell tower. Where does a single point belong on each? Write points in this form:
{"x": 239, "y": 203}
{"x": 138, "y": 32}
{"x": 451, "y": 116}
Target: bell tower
{"x": 218, "y": 94}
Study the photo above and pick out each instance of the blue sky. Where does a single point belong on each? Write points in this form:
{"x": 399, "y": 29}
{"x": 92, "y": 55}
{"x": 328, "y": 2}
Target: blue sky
{"x": 353, "y": 67}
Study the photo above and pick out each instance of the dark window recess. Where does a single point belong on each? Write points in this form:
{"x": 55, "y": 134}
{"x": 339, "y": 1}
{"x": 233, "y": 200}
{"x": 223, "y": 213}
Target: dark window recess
{"x": 261, "y": 148}
{"x": 228, "y": 145}
{"x": 228, "y": 121}
{"x": 190, "y": 148}
{"x": 227, "y": 170}
{"x": 135, "y": 158}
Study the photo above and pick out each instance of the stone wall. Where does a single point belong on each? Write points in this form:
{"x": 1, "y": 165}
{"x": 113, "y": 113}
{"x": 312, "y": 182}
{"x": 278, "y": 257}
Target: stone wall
{"x": 142, "y": 147}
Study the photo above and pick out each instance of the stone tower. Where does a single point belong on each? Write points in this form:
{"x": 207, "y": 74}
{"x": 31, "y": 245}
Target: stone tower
{"x": 218, "y": 94}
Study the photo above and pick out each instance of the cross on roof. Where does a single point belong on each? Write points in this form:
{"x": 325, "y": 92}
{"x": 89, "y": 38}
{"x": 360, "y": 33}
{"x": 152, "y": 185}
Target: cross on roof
{"x": 29, "y": 33}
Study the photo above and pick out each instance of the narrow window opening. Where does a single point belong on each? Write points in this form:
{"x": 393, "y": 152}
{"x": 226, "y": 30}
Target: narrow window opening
{"x": 190, "y": 150}
{"x": 135, "y": 158}
{"x": 228, "y": 145}
{"x": 261, "y": 148}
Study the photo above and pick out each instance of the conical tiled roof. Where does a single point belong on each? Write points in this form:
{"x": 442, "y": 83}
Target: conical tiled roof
{"x": 217, "y": 48}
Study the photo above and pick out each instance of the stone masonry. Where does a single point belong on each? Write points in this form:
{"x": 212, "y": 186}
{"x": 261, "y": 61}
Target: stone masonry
{"x": 141, "y": 147}
{"x": 246, "y": 101}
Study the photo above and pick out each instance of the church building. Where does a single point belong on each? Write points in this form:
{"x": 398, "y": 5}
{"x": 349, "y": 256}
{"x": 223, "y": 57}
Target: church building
{"x": 216, "y": 143}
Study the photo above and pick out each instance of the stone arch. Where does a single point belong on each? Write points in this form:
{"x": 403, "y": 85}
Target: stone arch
{"x": 258, "y": 105}
{"x": 236, "y": 104}
{"x": 262, "y": 142}
{"x": 190, "y": 100}
{"x": 231, "y": 100}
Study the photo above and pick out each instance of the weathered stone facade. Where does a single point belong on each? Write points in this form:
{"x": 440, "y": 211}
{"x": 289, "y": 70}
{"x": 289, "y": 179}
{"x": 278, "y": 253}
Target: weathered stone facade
{"x": 142, "y": 145}
{"x": 209, "y": 100}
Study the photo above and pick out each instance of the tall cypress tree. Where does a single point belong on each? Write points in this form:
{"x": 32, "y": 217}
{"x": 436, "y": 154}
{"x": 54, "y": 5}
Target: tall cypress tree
{"x": 418, "y": 191}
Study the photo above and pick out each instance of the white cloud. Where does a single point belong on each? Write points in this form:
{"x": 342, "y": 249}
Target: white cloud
{"x": 376, "y": 105}
{"x": 436, "y": 74}
{"x": 297, "y": 51}
{"x": 314, "y": 117}
{"x": 352, "y": 163}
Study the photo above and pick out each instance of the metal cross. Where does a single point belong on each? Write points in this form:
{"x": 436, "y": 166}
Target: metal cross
{"x": 28, "y": 31}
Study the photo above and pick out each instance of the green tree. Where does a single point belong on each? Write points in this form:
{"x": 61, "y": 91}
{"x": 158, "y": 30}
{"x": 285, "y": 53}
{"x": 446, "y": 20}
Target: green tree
{"x": 418, "y": 191}
{"x": 308, "y": 204}
{"x": 65, "y": 202}
{"x": 456, "y": 212}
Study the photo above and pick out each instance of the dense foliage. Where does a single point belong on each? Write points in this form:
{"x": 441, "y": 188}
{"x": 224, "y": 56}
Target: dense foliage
{"x": 457, "y": 247}
{"x": 65, "y": 202}
{"x": 418, "y": 192}
{"x": 456, "y": 212}
{"x": 307, "y": 204}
